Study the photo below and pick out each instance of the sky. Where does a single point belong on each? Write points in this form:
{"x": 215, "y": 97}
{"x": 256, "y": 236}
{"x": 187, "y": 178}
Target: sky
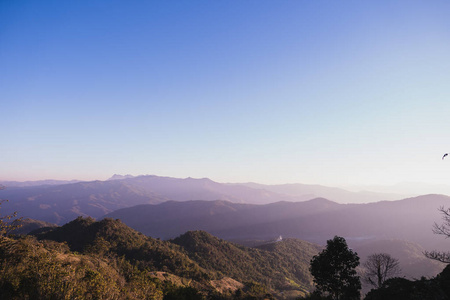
{"x": 339, "y": 93}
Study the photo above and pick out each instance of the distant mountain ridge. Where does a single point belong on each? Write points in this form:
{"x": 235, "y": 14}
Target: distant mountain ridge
{"x": 204, "y": 189}
{"x": 120, "y": 177}
{"x": 36, "y": 183}
{"x": 315, "y": 220}
{"x": 310, "y": 191}
{"x": 58, "y": 203}
{"x": 61, "y": 203}
{"x": 401, "y": 228}
{"x": 172, "y": 218}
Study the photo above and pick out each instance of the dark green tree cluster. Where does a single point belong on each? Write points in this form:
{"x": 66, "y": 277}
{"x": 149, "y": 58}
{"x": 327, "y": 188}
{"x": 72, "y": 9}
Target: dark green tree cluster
{"x": 334, "y": 271}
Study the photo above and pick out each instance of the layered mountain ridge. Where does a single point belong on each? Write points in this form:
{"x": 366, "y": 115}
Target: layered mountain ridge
{"x": 315, "y": 220}
{"x": 60, "y": 203}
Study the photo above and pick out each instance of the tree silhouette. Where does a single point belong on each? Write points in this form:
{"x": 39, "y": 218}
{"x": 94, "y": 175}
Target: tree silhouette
{"x": 379, "y": 267}
{"x": 334, "y": 271}
{"x": 443, "y": 229}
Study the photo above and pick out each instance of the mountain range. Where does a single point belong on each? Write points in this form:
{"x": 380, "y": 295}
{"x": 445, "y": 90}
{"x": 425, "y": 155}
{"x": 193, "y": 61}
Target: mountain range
{"x": 59, "y": 203}
{"x": 62, "y": 203}
{"x": 36, "y": 182}
{"x": 315, "y": 220}
{"x": 166, "y": 207}
{"x": 200, "y": 215}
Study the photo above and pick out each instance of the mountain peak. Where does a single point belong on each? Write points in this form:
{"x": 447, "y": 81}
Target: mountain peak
{"x": 322, "y": 200}
{"x": 120, "y": 177}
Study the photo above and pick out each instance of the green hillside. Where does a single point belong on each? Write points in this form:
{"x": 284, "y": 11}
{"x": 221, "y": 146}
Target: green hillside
{"x": 86, "y": 258}
{"x": 281, "y": 266}
{"x": 112, "y": 237}
{"x": 32, "y": 269}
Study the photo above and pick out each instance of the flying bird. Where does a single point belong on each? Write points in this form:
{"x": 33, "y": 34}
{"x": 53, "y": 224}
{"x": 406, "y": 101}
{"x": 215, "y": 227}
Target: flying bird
{"x": 444, "y": 155}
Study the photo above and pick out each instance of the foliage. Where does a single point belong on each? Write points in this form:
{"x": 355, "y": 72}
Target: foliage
{"x": 112, "y": 238}
{"x": 48, "y": 269}
{"x": 279, "y": 266}
{"x": 86, "y": 259}
{"x": 379, "y": 267}
{"x": 334, "y": 270}
{"x": 30, "y": 270}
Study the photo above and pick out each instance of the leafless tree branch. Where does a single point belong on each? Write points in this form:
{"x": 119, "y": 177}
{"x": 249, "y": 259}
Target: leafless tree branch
{"x": 379, "y": 267}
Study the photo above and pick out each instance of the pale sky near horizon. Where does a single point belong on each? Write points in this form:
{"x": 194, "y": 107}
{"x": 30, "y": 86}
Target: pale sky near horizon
{"x": 321, "y": 92}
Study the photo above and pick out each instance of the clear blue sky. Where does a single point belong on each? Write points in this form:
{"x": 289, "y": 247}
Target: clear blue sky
{"x": 327, "y": 92}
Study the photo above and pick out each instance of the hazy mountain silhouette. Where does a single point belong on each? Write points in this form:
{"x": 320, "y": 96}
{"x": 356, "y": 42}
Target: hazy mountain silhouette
{"x": 204, "y": 189}
{"x": 410, "y": 255}
{"x": 316, "y": 220}
{"x": 400, "y": 228}
{"x": 310, "y": 191}
{"x": 120, "y": 177}
{"x": 36, "y": 183}
{"x": 169, "y": 219}
{"x": 60, "y": 203}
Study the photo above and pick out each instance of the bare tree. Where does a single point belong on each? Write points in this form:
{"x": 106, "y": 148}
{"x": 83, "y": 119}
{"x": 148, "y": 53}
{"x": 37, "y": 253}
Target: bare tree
{"x": 443, "y": 229}
{"x": 379, "y": 267}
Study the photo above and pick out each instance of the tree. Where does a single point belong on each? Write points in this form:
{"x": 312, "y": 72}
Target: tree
{"x": 379, "y": 267}
{"x": 334, "y": 270}
{"x": 443, "y": 229}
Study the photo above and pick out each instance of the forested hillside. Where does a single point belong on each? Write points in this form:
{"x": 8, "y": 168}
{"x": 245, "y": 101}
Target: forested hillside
{"x": 108, "y": 260}
{"x": 282, "y": 266}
